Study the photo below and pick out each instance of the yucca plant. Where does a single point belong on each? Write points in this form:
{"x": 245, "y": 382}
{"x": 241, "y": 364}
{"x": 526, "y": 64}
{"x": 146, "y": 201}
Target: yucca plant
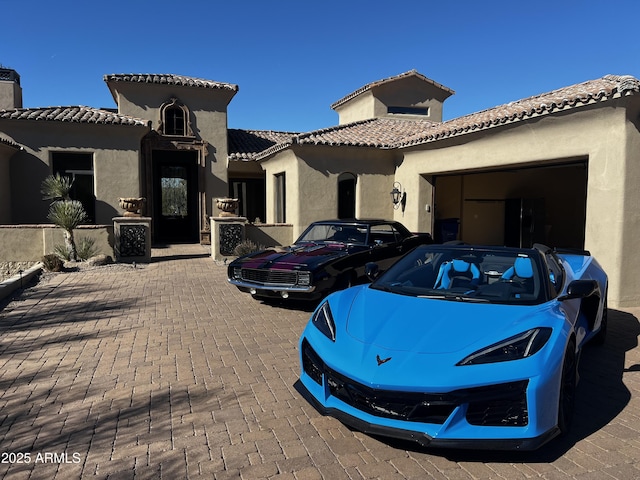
{"x": 64, "y": 212}
{"x": 68, "y": 214}
{"x": 56, "y": 187}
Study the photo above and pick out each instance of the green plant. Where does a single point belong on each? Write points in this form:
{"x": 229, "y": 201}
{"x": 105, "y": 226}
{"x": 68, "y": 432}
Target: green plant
{"x": 64, "y": 212}
{"x": 68, "y": 214}
{"x": 245, "y": 247}
{"x": 86, "y": 248}
{"x": 52, "y": 263}
{"x": 61, "y": 252}
{"x": 56, "y": 187}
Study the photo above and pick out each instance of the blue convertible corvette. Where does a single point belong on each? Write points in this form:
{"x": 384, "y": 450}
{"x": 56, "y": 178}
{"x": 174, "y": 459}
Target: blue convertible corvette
{"x": 458, "y": 346}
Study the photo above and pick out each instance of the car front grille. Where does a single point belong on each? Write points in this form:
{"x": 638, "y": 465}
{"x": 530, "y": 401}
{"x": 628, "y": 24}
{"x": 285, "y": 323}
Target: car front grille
{"x": 496, "y": 405}
{"x": 269, "y": 277}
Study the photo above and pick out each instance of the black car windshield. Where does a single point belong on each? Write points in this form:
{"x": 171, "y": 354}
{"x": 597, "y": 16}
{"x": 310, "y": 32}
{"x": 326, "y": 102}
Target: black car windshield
{"x": 464, "y": 273}
{"x": 334, "y": 232}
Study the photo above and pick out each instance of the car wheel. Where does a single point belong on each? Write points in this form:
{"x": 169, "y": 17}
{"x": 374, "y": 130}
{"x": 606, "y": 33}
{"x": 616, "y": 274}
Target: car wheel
{"x": 601, "y": 336}
{"x": 568, "y": 384}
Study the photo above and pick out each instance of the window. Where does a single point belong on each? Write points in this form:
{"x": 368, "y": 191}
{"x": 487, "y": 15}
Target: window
{"x": 424, "y": 111}
{"x": 78, "y": 167}
{"x": 281, "y": 198}
{"x": 174, "y": 119}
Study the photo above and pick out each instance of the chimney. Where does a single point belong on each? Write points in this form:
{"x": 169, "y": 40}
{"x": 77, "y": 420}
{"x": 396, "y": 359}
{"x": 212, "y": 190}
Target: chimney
{"x": 10, "y": 90}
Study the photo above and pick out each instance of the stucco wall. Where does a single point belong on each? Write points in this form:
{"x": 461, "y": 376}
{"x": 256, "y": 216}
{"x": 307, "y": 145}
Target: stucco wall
{"x": 115, "y": 150}
{"x": 208, "y": 115}
{"x": 312, "y": 183}
{"x": 30, "y": 242}
{"x": 601, "y": 135}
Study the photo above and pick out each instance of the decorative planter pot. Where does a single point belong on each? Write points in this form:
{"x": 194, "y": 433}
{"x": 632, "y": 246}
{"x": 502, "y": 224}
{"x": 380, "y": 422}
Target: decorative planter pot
{"x": 227, "y": 206}
{"x": 132, "y": 206}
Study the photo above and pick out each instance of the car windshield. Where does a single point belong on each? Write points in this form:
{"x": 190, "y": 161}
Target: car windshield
{"x": 334, "y": 232}
{"x": 471, "y": 274}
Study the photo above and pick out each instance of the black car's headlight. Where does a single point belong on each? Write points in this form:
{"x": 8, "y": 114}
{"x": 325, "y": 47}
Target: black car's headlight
{"x": 323, "y": 320}
{"x": 304, "y": 278}
{"x": 514, "y": 348}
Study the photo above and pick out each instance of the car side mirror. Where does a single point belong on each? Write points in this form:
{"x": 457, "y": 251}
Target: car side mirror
{"x": 372, "y": 271}
{"x": 580, "y": 289}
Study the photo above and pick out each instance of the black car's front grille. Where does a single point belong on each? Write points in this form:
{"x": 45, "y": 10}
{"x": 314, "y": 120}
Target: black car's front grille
{"x": 496, "y": 405}
{"x": 269, "y": 277}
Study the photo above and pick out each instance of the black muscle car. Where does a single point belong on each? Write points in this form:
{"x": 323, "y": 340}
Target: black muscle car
{"x": 330, "y": 255}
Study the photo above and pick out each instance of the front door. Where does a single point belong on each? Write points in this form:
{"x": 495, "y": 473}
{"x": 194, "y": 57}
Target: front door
{"x": 175, "y": 196}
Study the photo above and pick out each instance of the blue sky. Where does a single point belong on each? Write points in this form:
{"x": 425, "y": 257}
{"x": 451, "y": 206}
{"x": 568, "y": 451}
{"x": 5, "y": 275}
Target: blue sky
{"x": 293, "y": 59}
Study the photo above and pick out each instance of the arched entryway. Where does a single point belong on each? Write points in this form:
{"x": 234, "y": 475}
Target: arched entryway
{"x": 347, "y": 195}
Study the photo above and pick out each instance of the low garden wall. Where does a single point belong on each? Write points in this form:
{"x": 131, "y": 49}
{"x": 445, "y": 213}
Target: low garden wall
{"x": 28, "y": 243}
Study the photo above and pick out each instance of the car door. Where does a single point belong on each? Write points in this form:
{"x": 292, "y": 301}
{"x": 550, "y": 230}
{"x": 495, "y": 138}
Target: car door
{"x": 386, "y": 243}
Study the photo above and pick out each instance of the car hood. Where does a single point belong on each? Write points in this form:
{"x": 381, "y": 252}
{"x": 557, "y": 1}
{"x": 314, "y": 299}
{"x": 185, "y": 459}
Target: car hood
{"x": 309, "y": 254}
{"x": 402, "y": 323}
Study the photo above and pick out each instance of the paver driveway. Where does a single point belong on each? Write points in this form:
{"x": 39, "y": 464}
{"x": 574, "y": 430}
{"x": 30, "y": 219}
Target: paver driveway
{"x": 166, "y": 371}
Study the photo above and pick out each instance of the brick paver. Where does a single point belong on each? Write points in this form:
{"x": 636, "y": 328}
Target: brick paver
{"x": 167, "y": 371}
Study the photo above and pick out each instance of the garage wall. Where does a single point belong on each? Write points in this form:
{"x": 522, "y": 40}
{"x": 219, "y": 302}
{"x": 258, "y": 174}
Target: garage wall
{"x": 601, "y": 134}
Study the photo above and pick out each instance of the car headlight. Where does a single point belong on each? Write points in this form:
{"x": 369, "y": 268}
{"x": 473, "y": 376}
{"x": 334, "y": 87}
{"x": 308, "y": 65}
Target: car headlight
{"x": 514, "y": 348}
{"x": 323, "y": 320}
{"x": 237, "y": 273}
{"x": 304, "y": 278}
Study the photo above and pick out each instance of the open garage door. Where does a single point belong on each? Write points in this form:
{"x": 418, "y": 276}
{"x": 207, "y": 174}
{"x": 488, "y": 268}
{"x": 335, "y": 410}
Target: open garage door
{"x": 514, "y": 207}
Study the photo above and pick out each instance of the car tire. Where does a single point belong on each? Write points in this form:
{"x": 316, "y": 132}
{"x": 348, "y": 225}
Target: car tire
{"x": 568, "y": 384}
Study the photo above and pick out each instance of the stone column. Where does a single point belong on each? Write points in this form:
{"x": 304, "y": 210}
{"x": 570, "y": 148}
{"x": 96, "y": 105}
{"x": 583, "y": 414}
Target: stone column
{"x": 226, "y": 234}
{"x": 132, "y": 239}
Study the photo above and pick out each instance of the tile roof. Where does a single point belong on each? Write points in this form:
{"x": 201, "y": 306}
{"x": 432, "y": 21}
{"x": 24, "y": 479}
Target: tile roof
{"x": 590, "y": 92}
{"x": 169, "y": 79}
{"x": 369, "y": 86}
{"x": 73, "y": 114}
{"x": 244, "y": 145}
{"x": 10, "y": 143}
{"x": 389, "y": 133}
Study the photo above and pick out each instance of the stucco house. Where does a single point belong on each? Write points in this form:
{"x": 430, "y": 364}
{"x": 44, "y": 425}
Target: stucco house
{"x": 560, "y": 168}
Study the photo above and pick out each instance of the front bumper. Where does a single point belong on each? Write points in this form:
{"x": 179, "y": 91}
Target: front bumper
{"x": 271, "y": 287}
{"x": 495, "y": 416}
{"x": 424, "y": 439}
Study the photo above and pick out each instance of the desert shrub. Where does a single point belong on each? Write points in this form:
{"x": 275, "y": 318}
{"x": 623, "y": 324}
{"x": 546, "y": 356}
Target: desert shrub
{"x": 86, "y": 248}
{"x": 52, "y": 262}
{"x": 246, "y": 247}
{"x": 61, "y": 252}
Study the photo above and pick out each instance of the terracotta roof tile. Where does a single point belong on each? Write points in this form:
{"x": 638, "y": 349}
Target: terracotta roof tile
{"x": 388, "y": 133}
{"x": 169, "y": 79}
{"x": 10, "y": 143}
{"x": 369, "y": 86}
{"x": 244, "y": 145}
{"x": 592, "y": 91}
{"x": 74, "y": 114}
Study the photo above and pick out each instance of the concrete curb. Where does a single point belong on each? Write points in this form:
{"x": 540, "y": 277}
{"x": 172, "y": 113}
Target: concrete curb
{"x": 18, "y": 281}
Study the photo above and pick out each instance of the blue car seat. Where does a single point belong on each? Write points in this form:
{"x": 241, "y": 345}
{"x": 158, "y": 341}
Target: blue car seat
{"x": 522, "y": 269}
{"x": 457, "y": 273}
{"x": 522, "y": 273}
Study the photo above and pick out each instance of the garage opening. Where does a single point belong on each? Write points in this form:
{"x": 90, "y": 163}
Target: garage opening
{"x": 514, "y": 207}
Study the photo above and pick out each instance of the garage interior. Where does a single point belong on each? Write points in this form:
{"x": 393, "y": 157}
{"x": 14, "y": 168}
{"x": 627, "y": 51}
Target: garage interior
{"x": 514, "y": 207}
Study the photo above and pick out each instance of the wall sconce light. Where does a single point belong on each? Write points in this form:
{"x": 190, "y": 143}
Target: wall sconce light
{"x": 398, "y": 197}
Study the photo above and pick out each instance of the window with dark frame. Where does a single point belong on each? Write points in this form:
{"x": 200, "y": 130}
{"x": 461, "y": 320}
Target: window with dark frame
{"x": 174, "y": 121}
{"x": 78, "y": 167}
{"x": 281, "y": 200}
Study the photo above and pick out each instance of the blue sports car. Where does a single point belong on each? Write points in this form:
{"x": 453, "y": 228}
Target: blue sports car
{"x": 458, "y": 346}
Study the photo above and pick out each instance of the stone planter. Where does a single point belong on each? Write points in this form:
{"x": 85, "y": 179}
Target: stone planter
{"x": 227, "y": 206}
{"x": 132, "y": 206}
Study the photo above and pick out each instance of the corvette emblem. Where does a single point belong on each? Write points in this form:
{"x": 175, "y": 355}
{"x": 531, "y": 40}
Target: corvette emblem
{"x": 382, "y": 360}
